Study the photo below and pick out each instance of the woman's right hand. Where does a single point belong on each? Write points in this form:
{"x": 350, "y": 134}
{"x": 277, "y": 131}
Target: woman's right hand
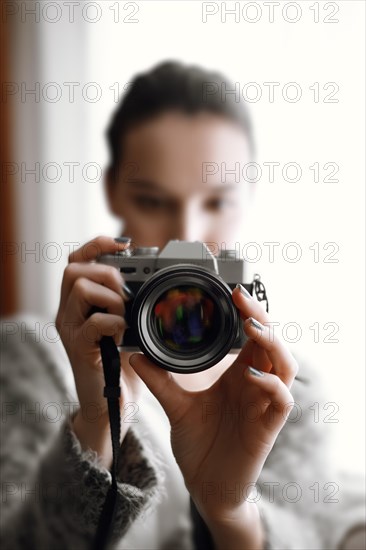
{"x": 86, "y": 284}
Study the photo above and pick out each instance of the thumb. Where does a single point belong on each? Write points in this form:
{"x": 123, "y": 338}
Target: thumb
{"x": 172, "y": 397}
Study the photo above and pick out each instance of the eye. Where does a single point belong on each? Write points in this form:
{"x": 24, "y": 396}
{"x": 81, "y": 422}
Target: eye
{"x": 217, "y": 204}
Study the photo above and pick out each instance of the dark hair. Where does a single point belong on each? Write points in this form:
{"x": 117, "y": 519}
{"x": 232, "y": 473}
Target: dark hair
{"x": 172, "y": 85}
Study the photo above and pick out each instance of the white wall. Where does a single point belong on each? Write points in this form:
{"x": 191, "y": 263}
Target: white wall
{"x": 304, "y": 132}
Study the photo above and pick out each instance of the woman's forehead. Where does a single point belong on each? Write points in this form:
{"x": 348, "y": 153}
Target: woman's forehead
{"x": 186, "y": 148}
{"x": 175, "y": 131}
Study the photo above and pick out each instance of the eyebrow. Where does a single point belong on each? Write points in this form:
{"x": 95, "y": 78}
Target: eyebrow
{"x": 153, "y": 186}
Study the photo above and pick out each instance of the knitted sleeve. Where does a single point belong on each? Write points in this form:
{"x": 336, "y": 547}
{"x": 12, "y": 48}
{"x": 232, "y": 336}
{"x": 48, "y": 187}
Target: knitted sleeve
{"x": 52, "y": 490}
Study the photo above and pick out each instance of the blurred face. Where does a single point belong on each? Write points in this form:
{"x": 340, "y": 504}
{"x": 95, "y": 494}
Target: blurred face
{"x": 177, "y": 180}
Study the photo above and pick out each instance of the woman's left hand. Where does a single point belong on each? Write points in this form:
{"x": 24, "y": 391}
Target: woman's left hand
{"x": 222, "y": 436}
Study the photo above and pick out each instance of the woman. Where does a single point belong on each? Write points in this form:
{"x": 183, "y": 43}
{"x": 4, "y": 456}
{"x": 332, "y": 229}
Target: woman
{"x": 170, "y": 129}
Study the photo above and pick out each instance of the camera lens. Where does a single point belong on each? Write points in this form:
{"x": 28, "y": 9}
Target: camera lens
{"x": 184, "y": 318}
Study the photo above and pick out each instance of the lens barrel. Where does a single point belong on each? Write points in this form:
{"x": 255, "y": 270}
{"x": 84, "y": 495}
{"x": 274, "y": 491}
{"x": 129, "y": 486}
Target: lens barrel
{"x": 184, "y": 318}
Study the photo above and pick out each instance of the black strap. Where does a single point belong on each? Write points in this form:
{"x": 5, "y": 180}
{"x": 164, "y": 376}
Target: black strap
{"x": 112, "y": 391}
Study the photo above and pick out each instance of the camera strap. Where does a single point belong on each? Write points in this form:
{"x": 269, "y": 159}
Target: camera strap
{"x": 112, "y": 391}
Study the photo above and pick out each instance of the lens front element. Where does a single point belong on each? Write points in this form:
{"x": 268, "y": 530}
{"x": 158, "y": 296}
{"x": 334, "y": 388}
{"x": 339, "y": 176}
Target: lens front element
{"x": 185, "y": 319}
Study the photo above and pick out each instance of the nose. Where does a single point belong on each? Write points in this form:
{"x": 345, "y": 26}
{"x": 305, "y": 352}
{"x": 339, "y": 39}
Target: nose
{"x": 188, "y": 225}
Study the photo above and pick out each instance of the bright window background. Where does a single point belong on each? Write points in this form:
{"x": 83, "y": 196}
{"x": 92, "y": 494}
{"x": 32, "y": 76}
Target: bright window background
{"x": 305, "y": 132}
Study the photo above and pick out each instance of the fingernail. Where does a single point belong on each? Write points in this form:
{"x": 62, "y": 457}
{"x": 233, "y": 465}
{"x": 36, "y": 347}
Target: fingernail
{"x": 122, "y": 240}
{"x": 243, "y": 290}
{"x": 256, "y": 324}
{"x": 255, "y": 372}
{"x": 128, "y": 291}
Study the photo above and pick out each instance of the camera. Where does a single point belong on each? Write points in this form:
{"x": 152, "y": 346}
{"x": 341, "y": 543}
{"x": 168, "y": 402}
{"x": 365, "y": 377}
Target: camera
{"x": 181, "y": 314}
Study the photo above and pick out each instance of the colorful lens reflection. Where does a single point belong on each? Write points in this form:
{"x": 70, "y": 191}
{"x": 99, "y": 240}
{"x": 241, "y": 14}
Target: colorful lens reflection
{"x": 186, "y": 318}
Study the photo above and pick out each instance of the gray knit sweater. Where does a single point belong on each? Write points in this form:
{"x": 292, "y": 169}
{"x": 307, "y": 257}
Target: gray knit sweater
{"x": 53, "y": 492}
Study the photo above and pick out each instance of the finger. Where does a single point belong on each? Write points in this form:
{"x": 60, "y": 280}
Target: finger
{"x": 85, "y": 294}
{"x": 172, "y": 397}
{"x": 244, "y": 358}
{"x": 103, "y": 324}
{"x": 248, "y": 306}
{"x": 281, "y": 400}
{"x": 283, "y": 362}
{"x": 98, "y": 246}
{"x": 260, "y": 359}
{"x": 251, "y": 354}
{"x": 105, "y": 275}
